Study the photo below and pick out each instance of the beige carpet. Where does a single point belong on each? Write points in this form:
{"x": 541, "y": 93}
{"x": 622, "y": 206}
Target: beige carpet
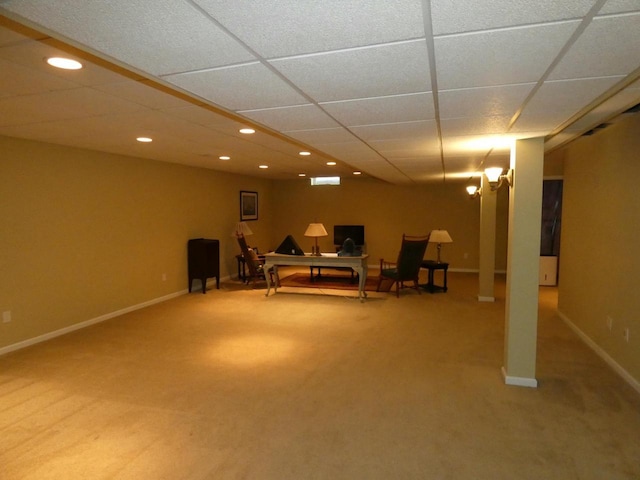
{"x": 234, "y": 385}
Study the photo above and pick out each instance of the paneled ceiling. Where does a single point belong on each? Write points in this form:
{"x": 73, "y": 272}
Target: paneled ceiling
{"x": 406, "y": 91}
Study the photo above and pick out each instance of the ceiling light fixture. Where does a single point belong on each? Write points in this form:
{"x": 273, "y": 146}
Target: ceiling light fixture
{"x": 247, "y": 131}
{"x": 357, "y": 173}
{"x": 144, "y": 139}
{"x": 302, "y": 174}
{"x": 331, "y": 163}
{"x": 224, "y": 157}
{"x": 305, "y": 154}
{"x": 263, "y": 166}
{"x": 64, "y": 63}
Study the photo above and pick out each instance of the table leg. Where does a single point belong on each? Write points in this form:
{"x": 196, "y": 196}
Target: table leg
{"x": 267, "y": 277}
{"x": 362, "y": 274}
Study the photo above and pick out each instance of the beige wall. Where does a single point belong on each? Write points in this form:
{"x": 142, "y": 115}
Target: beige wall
{"x": 599, "y": 259}
{"x": 85, "y": 234}
{"x": 387, "y": 211}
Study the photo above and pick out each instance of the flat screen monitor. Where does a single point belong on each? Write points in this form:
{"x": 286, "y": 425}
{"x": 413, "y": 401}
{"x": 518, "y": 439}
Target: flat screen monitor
{"x": 289, "y": 246}
{"x": 354, "y": 232}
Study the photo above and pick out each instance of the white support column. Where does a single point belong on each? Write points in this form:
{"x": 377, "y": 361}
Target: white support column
{"x": 521, "y": 312}
{"x": 487, "y": 263}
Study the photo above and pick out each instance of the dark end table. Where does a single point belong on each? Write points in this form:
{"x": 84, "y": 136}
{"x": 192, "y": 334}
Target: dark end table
{"x": 432, "y": 266}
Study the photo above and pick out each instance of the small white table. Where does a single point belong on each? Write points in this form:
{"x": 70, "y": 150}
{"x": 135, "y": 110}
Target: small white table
{"x": 358, "y": 264}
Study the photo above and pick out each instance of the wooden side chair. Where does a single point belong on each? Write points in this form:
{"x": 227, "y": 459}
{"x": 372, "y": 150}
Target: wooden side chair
{"x": 407, "y": 267}
{"x": 254, "y": 265}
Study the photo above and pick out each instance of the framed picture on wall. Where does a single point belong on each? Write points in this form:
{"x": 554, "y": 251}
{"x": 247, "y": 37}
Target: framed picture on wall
{"x": 248, "y": 205}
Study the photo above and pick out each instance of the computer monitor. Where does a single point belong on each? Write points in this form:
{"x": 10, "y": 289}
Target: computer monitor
{"x": 354, "y": 232}
{"x": 289, "y": 246}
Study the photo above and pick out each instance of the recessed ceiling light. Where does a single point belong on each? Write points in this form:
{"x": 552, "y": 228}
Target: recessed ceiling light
{"x": 144, "y": 139}
{"x": 357, "y": 173}
{"x": 305, "y": 154}
{"x": 264, "y": 166}
{"x": 64, "y": 63}
{"x": 247, "y": 131}
{"x": 302, "y": 174}
{"x": 224, "y": 157}
{"x": 331, "y": 163}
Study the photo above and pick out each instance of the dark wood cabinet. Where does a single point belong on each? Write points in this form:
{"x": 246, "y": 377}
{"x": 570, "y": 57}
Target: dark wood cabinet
{"x": 204, "y": 261}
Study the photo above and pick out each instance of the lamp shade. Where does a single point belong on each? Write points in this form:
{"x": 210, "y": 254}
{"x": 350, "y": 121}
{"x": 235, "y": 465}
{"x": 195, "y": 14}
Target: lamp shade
{"x": 440, "y": 236}
{"x": 315, "y": 230}
{"x": 493, "y": 174}
{"x": 241, "y": 229}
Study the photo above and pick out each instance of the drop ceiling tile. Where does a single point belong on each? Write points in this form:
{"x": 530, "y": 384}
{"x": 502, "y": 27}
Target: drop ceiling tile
{"x": 475, "y": 125}
{"x": 136, "y": 34}
{"x": 499, "y": 57}
{"x": 422, "y": 130}
{"x": 299, "y": 117}
{"x": 205, "y": 116}
{"x": 609, "y": 46}
{"x": 319, "y": 136}
{"x": 291, "y": 27}
{"x": 349, "y": 151}
{"x": 142, "y": 94}
{"x": 254, "y": 87}
{"x": 483, "y": 101}
{"x": 33, "y": 55}
{"x": 407, "y": 148}
{"x": 620, "y": 6}
{"x": 370, "y": 111}
{"x": 19, "y": 80}
{"x": 567, "y": 96}
{"x": 473, "y": 16}
{"x": 61, "y": 105}
{"x": 360, "y": 73}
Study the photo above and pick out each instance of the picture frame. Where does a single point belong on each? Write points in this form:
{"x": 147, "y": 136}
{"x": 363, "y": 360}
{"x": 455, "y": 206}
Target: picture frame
{"x": 248, "y": 205}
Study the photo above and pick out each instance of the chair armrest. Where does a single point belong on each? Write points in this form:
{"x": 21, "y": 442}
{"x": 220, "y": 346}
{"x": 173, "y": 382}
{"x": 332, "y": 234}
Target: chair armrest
{"x": 384, "y": 265}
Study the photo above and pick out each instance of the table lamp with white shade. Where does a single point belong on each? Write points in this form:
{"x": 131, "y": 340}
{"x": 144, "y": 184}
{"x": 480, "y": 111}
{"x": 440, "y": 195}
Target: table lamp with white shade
{"x": 316, "y": 230}
{"x": 241, "y": 228}
{"x": 440, "y": 237}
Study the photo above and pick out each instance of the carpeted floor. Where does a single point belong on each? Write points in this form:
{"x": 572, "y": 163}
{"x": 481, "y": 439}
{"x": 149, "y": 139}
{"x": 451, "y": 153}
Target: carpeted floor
{"x": 236, "y": 385}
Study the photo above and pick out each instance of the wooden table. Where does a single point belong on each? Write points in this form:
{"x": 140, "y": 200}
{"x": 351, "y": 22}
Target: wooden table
{"x": 358, "y": 264}
{"x": 432, "y": 265}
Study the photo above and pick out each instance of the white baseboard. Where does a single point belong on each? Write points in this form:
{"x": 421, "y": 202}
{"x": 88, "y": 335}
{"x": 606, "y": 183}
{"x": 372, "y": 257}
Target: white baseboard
{"x": 635, "y": 384}
{"x": 519, "y": 381}
{"x": 86, "y": 323}
{"x": 101, "y": 318}
{"x": 486, "y": 299}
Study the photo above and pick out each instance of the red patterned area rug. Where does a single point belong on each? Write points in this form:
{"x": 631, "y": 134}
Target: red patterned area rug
{"x": 336, "y": 282}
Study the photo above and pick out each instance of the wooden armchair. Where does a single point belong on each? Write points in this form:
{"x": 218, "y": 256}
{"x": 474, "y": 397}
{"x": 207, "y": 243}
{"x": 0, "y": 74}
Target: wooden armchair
{"x": 407, "y": 267}
{"x": 253, "y": 263}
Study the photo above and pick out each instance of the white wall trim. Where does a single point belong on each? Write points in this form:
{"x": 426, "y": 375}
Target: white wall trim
{"x": 519, "y": 381}
{"x": 635, "y": 384}
{"x": 101, "y": 318}
{"x": 86, "y": 323}
{"x": 486, "y": 299}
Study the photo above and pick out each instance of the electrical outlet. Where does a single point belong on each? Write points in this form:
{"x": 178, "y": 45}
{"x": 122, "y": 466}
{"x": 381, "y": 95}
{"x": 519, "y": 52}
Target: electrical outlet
{"x": 6, "y": 316}
{"x": 609, "y": 323}
{"x": 626, "y": 334}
